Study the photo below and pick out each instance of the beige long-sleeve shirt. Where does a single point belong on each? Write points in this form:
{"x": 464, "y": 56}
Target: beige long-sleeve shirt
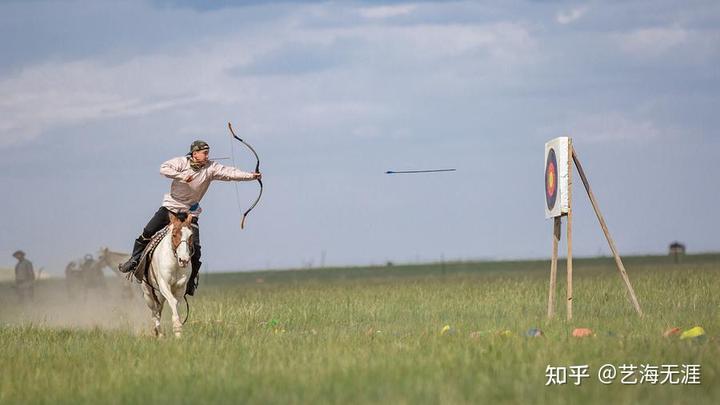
{"x": 184, "y": 196}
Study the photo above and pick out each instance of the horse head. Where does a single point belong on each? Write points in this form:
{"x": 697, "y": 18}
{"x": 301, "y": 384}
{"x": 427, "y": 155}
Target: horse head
{"x": 182, "y": 238}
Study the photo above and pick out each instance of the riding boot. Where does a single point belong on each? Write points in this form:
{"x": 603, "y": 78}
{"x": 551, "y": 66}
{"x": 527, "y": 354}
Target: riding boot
{"x": 140, "y": 244}
{"x": 195, "y": 260}
{"x": 159, "y": 220}
{"x": 193, "y": 281}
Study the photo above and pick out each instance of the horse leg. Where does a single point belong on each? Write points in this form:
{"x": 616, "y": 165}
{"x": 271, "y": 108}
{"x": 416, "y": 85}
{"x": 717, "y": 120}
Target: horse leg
{"x": 178, "y": 295}
{"x": 155, "y": 302}
{"x": 173, "y": 303}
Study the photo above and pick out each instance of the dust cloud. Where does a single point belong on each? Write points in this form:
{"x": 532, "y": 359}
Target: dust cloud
{"x": 115, "y": 304}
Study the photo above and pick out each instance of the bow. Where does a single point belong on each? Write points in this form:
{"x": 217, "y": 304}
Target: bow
{"x": 257, "y": 170}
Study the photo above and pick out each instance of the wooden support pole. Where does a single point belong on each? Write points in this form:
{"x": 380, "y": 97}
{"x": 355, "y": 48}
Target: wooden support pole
{"x": 569, "y": 238}
{"x": 618, "y": 261}
{"x": 553, "y": 267}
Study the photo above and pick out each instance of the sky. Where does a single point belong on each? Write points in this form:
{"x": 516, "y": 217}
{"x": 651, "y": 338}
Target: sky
{"x": 96, "y": 95}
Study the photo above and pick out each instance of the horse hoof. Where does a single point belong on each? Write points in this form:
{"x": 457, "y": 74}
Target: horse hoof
{"x": 178, "y": 335}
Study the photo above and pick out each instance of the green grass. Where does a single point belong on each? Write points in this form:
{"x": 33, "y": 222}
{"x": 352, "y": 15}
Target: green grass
{"x": 369, "y": 335}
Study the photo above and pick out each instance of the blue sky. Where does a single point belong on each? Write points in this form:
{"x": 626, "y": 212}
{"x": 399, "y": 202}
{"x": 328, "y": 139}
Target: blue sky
{"x": 332, "y": 94}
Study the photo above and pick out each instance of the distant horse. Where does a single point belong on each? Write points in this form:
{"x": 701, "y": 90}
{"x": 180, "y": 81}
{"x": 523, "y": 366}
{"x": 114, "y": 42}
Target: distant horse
{"x": 83, "y": 276}
{"x": 169, "y": 271}
{"x": 111, "y": 259}
{"x": 108, "y": 258}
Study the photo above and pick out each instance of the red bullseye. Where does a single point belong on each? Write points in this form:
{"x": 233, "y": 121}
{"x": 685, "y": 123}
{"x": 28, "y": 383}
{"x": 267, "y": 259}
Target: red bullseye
{"x": 551, "y": 183}
{"x": 551, "y": 178}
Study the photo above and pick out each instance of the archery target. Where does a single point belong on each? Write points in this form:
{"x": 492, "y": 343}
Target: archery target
{"x": 551, "y": 180}
{"x": 556, "y": 177}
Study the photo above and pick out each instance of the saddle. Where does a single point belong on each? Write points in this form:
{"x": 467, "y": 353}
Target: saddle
{"x": 141, "y": 271}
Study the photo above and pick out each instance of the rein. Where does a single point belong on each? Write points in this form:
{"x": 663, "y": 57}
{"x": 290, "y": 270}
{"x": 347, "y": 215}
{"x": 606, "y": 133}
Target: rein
{"x": 190, "y": 246}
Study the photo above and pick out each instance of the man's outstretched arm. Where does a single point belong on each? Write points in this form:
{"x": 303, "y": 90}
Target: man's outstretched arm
{"x": 227, "y": 173}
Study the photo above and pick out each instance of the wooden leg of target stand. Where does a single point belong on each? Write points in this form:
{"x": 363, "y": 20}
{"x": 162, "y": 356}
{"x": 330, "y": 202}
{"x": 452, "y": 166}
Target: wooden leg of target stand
{"x": 568, "y": 236}
{"x": 553, "y": 267}
{"x": 618, "y": 261}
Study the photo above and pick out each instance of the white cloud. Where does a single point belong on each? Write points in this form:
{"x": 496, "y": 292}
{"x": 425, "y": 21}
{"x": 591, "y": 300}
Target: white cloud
{"x": 504, "y": 43}
{"x": 609, "y": 127}
{"x": 569, "y": 16}
{"x": 382, "y": 12}
{"x": 653, "y": 41}
{"x": 56, "y": 94}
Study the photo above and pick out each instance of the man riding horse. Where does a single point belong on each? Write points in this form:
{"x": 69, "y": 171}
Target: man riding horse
{"x": 191, "y": 176}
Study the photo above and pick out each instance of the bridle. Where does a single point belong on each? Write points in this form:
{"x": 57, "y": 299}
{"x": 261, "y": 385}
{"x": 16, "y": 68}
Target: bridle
{"x": 191, "y": 246}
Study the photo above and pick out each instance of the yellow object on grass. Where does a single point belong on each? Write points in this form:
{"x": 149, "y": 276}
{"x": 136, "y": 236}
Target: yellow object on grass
{"x": 693, "y": 333}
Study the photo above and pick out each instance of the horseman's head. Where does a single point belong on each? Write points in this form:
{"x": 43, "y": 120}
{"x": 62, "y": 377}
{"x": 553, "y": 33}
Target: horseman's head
{"x": 199, "y": 153}
{"x": 182, "y": 237}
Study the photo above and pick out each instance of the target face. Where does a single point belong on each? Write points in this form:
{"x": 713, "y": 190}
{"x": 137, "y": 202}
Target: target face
{"x": 551, "y": 176}
{"x": 557, "y": 165}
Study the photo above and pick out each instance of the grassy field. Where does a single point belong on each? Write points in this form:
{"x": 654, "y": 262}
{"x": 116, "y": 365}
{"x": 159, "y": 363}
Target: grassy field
{"x": 370, "y": 335}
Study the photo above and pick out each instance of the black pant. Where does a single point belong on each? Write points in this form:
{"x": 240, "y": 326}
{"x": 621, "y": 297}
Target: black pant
{"x": 160, "y": 220}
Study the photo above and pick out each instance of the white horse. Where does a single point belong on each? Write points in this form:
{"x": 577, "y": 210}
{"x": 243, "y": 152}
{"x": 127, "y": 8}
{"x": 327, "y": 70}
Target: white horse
{"x": 169, "y": 272}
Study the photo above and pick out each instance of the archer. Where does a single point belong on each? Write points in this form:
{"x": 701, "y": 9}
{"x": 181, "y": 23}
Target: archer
{"x": 191, "y": 176}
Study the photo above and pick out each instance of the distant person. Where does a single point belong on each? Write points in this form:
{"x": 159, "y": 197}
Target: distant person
{"x": 87, "y": 262}
{"x": 92, "y": 274}
{"x": 191, "y": 176}
{"x": 70, "y": 269}
{"x": 73, "y": 280}
{"x": 24, "y": 277}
